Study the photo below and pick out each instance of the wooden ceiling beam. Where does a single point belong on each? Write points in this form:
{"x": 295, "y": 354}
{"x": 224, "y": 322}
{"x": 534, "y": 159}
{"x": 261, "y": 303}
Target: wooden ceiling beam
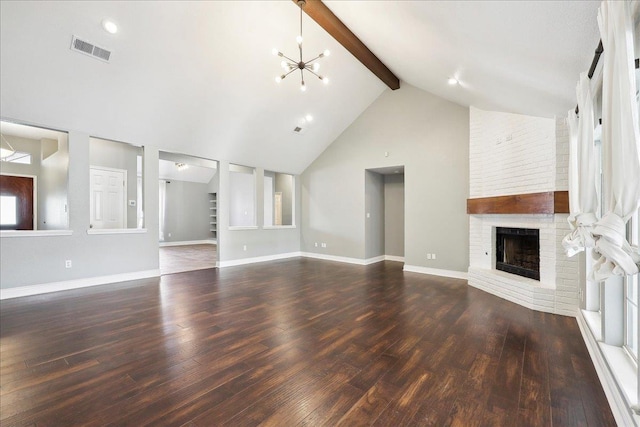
{"x": 320, "y": 13}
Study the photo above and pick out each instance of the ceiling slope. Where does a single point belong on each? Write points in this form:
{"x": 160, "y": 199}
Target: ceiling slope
{"x": 511, "y": 56}
{"x": 198, "y": 77}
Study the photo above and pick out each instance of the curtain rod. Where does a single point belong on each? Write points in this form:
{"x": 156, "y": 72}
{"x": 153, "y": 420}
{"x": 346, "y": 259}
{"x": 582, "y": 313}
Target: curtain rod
{"x": 594, "y": 63}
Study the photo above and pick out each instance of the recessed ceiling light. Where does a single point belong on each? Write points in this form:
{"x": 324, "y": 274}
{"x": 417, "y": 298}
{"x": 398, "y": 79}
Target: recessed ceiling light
{"x": 109, "y": 26}
{"x": 453, "y": 81}
{"x": 309, "y": 117}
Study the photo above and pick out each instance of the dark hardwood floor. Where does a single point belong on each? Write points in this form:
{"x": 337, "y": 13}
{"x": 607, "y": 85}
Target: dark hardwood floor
{"x": 287, "y": 343}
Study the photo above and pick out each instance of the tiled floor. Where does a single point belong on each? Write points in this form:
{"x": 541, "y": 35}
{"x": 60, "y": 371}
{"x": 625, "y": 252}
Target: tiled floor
{"x": 177, "y": 259}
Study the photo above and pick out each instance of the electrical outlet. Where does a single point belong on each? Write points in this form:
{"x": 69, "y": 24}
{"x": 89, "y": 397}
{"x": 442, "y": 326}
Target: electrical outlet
{"x": 316, "y": 244}
{"x": 324, "y": 245}
{"x": 428, "y": 256}
{"x": 244, "y": 247}
{"x": 433, "y": 256}
{"x": 68, "y": 264}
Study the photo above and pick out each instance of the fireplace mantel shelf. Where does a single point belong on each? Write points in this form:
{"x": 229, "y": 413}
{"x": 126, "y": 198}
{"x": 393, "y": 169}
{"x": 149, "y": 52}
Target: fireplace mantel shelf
{"x": 550, "y": 202}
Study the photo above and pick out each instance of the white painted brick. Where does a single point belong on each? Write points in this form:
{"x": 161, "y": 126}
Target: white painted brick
{"x": 534, "y": 160}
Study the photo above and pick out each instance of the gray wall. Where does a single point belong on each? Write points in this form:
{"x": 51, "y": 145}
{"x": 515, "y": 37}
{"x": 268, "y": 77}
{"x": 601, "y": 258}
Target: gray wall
{"x": 394, "y": 215}
{"x": 118, "y": 155}
{"x": 242, "y": 197}
{"x": 427, "y": 134}
{"x": 214, "y": 183}
{"x": 374, "y": 214}
{"x": 38, "y": 260}
{"x": 186, "y": 211}
{"x": 259, "y": 241}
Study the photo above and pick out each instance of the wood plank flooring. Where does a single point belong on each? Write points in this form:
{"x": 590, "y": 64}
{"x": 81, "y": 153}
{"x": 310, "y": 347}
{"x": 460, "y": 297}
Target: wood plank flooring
{"x": 297, "y": 342}
{"x": 178, "y": 259}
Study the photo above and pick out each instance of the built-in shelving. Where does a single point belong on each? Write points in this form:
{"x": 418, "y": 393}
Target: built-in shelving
{"x": 213, "y": 215}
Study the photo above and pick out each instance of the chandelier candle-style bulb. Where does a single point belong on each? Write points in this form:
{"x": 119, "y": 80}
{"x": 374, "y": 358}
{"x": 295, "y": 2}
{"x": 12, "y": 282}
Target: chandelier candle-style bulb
{"x": 290, "y": 65}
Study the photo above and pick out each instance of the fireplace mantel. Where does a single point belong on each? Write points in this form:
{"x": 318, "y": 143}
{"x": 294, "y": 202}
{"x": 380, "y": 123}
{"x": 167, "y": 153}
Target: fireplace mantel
{"x": 550, "y": 202}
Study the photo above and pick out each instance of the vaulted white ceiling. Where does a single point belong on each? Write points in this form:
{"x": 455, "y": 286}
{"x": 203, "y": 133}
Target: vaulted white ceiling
{"x": 198, "y": 77}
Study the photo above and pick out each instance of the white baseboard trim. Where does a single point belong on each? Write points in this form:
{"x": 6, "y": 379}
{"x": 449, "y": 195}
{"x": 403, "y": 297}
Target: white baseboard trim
{"x": 617, "y": 401}
{"x": 23, "y": 291}
{"x": 189, "y": 242}
{"x": 436, "y": 271}
{"x": 347, "y": 260}
{"x": 374, "y": 260}
{"x": 243, "y": 261}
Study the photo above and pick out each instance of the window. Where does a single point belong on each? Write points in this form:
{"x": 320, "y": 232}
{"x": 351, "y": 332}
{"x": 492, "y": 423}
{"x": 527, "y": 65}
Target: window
{"x": 631, "y": 293}
{"x": 242, "y": 196}
{"x": 278, "y": 199}
{"x": 36, "y": 174}
{"x": 632, "y": 282}
{"x": 8, "y": 211}
{"x": 115, "y": 185}
{"x": 19, "y": 157}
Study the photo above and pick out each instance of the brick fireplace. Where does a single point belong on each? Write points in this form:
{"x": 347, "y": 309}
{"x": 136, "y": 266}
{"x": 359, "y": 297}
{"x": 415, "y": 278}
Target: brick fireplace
{"x": 520, "y": 160}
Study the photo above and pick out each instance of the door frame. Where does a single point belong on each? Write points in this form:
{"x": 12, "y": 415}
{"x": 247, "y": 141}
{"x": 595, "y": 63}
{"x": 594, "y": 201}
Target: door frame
{"x": 35, "y": 194}
{"x": 124, "y": 193}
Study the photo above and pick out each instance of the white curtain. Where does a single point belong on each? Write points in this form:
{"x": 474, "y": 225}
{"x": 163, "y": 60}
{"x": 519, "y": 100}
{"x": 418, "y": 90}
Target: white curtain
{"x": 620, "y": 139}
{"x": 582, "y": 172}
{"x": 161, "y": 207}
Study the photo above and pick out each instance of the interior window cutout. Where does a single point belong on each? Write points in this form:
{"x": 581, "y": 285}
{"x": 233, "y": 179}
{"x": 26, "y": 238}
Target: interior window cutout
{"x": 34, "y": 169}
{"x": 278, "y": 199}
{"x": 115, "y": 184}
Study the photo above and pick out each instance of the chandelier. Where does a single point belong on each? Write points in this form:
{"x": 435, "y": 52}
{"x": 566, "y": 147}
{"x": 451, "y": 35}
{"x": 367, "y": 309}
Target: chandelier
{"x": 289, "y": 65}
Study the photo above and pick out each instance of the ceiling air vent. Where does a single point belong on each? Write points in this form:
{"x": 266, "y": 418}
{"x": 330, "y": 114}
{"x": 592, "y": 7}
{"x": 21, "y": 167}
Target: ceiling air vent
{"x": 299, "y": 130}
{"x": 90, "y": 49}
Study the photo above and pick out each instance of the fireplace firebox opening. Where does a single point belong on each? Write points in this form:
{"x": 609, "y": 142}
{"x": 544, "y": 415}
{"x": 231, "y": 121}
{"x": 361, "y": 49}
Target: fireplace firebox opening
{"x": 518, "y": 251}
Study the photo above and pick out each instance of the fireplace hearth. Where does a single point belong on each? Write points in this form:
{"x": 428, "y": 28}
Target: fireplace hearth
{"x": 518, "y": 251}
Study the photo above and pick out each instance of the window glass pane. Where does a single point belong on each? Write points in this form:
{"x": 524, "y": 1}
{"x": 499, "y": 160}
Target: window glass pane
{"x": 631, "y": 295}
{"x": 278, "y": 198}
{"x": 8, "y": 210}
{"x": 19, "y": 157}
{"x": 632, "y": 333}
{"x": 42, "y": 155}
{"x": 242, "y": 196}
{"x": 115, "y": 184}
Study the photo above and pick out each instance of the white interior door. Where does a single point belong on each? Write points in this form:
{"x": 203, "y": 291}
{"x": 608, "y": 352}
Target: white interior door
{"x": 108, "y": 198}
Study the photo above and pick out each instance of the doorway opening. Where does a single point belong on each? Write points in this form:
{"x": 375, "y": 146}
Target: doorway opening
{"x": 188, "y": 213}
{"x": 384, "y": 214}
{"x": 17, "y": 198}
